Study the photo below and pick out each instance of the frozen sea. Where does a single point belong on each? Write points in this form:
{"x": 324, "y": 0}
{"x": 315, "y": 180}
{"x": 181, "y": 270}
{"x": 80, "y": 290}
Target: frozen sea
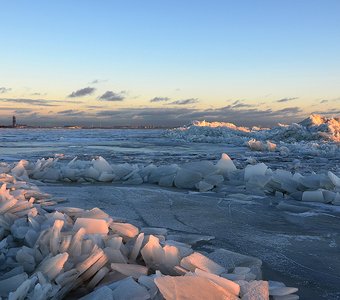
{"x": 297, "y": 242}
{"x": 136, "y": 146}
{"x": 117, "y": 146}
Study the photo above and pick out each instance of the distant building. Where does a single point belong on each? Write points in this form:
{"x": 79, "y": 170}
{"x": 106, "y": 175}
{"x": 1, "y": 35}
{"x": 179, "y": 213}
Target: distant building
{"x": 14, "y": 122}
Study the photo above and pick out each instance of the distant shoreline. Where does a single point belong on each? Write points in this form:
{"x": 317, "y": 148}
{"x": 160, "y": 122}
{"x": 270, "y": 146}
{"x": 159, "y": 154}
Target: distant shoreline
{"x": 79, "y": 127}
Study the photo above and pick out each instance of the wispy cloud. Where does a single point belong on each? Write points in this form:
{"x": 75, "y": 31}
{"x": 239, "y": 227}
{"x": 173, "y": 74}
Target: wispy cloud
{"x": 184, "y": 101}
{"x": 23, "y": 111}
{"x": 6, "y": 108}
{"x": 71, "y": 112}
{"x": 146, "y": 113}
{"x": 332, "y": 111}
{"x": 112, "y": 96}
{"x": 4, "y": 90}
{"x": 160, "y": 99}
{"x": 287, "y": 99}
{"x": 66, "y": 111}
{"x": 289, "y": 111}
{"x": 38, "y": 102}
{"x": 239, "y": 104}
{"x": 94, "y": 106}
{"x": 97, "y": 81}
{"x": 82, "y": 92}
{"x": 330, "y": 100}
{"x": 29, "y": 115}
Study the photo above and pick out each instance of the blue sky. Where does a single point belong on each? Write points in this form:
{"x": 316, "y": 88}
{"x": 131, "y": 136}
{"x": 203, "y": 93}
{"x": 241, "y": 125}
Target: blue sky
{"x": 261, "y": 61}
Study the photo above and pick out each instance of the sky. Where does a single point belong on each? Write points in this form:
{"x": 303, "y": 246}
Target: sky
{"x": 165, "y": 63}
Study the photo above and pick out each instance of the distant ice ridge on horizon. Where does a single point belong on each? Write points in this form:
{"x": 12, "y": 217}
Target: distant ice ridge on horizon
{"x": 313, "y": 130}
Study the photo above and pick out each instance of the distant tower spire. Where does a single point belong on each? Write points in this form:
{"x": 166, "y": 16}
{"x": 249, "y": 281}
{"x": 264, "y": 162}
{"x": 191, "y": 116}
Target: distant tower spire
{"x": 14, "y": 122}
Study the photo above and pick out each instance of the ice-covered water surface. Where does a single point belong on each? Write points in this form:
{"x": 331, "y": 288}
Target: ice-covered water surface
{"x": 118, "y": 146}
{"x": 31, "y": 143}
{"x": 156, "y": 146}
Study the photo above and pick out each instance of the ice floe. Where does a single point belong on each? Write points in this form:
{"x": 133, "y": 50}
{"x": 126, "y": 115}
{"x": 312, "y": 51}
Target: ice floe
{"x": 204, "y": 176}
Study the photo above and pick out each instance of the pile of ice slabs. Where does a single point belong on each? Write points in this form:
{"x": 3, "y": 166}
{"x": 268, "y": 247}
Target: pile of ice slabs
{"x": 203, "y": 176}
{"x": 74, "y": 253}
